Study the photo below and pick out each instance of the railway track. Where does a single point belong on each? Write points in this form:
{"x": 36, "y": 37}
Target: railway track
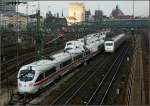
{"x": 20, "y": 98}
{"x": 99, "y": 95}
{"x": 9, "y": 67}
{"x": 26, "y": 51}
{"x": 85, "y": 77}
{"x": 75, "y": 93}
{"x": 73, "y": 88}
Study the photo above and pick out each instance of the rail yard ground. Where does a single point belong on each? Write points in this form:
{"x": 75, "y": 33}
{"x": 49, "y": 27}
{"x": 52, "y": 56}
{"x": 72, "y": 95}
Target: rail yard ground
{"x": 115, "y": 79}
{"x": 99, "y": 66}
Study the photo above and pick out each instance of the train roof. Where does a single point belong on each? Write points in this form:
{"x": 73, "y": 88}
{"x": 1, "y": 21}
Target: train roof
{"x": 72, "y": 41}
{"x": 79, "y": 41}
{"x": 118, "y": 37}
{"x": 76, "y": 50}
{"x": 109, "y": 41}
{"x": 95, "y": 44}
{"x": 115, "y": 38}
{"x": 40, "y": 62}
{"x": 61, "y": 56}
{"x": 40, "y": 65}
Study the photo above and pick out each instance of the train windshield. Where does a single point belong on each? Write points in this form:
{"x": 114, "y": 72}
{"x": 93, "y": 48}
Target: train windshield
{"x": 109, "y": 44}
{"x": 68, "y": 48}
{"x": 26, "y": 75}
{"x": 69, "y": 43}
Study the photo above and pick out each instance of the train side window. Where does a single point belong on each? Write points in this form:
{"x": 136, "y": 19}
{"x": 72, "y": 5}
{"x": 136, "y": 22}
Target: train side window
{"x": 67, "y": 62}
{"x": 47, "y": 73}
{"x": 40, "y": 77}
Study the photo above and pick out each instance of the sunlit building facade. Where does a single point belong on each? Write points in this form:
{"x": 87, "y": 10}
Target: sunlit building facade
{"x": 76, "y": 10}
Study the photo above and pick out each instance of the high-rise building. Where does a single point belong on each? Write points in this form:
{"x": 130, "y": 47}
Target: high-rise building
{"x": 77, "y": 10}
{"x": 87, "y": 15}
{"x": 98, "y": 15}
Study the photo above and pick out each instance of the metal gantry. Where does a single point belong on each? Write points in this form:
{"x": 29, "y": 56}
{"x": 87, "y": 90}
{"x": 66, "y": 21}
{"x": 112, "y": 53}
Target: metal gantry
{"x": 39, "y": 44}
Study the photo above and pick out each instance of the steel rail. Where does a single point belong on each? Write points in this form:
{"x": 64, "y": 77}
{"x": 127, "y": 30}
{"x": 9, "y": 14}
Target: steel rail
{"x": 67, "y": 102}
{"x": 80, "y": 80}
{"x": 113, "y": 78}
{"x": 98, "y": 89}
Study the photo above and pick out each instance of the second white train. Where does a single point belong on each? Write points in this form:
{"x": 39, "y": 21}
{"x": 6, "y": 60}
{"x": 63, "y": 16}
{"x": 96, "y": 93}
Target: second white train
{"x": 110, "y": 45}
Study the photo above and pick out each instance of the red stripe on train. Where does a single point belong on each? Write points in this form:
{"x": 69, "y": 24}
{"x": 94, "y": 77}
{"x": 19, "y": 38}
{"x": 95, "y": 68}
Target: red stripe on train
{"x": 61, "y": 70}
{"x": 52, "y": 75}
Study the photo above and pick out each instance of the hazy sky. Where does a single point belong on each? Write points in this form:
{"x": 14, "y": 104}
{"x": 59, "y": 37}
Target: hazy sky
{"x": 141, "y": 7}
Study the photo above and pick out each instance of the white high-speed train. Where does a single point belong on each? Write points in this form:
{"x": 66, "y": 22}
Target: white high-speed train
{"x": 39, "y": 74}
{"x": 110, "y": 45}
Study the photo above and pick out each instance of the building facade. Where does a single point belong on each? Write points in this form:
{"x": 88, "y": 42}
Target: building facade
{"x": 6, "y": 7}
{"x": 19, "y": 23}
{"x": 77, "y": 10}
{"x": 4, "y": 21}
{"x": 98, "y": 15}
{"x": 87, "y": 15}
{"x": 118, "y": 14}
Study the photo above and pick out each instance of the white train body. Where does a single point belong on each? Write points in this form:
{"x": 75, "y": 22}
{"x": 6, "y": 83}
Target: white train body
{"x": 73, "y": 45}
{"x": 114, "y": 43}
{"x": 39, "y": 74}
{"x": 28, "y": 78}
